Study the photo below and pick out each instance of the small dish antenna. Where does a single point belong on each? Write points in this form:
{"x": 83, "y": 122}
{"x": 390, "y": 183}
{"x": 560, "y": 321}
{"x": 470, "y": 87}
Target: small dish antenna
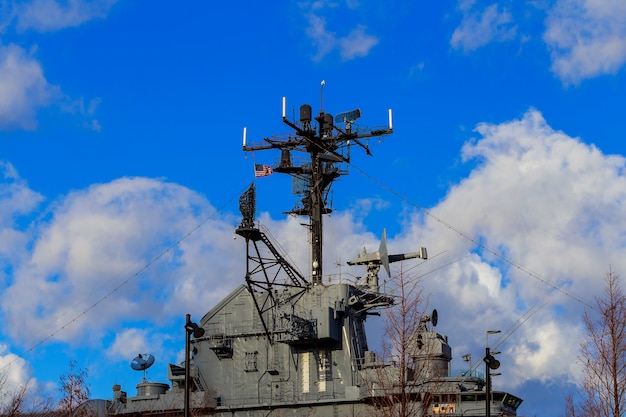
{"x": 433, "y": 318}
{"x": 141, "y": 363}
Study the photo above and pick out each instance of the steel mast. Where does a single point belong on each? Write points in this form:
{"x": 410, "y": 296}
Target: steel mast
{"x": 323, "y": 143}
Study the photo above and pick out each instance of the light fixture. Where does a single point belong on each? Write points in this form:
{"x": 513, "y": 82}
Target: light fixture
{"x": 191, "y": 328}
{"x": 490, "y": 363}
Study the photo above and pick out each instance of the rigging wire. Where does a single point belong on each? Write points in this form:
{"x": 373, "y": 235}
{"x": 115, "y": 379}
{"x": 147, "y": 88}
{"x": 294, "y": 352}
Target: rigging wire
{"x": 508, "y": 333}
{"x": 134, "y": 275}
{"x": 465, "y": 235}
{"x": 372, "y": 179}
{"x": 475, "y": 241}
{"x": 517, "y": 324}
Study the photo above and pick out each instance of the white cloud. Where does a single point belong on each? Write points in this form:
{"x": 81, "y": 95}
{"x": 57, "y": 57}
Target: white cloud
{"x": 323, "y": 40}
{"x": 479, "y": 28}
{"x": 51, "y": 15}
{"x": 130, "y": 342}
{"x": 554, "y": 205}
{"x": 356, "y": 43}
{"x": 586, "y": 38}
{"x": 18, "y": 201}
{"x": 23, "y": 88}
{"x": 96, "y": 240}
{"x": 546, "y": 349}
{"x": 17, "y": 198}
{"x": 545, "y": 187}
{"x": 15, "y": 373}
{"x": 94, "y": 125}
{"x": 417, "y": 69}
{"x": 539, "y": 197}
{"x": 86, "y": 111}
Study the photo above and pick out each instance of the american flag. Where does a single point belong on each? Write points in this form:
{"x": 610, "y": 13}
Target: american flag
{"x": 262, "y": 170}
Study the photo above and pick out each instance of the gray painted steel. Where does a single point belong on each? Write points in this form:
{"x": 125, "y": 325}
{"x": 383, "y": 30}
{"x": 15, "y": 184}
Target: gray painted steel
{"x": 285, "y": 344}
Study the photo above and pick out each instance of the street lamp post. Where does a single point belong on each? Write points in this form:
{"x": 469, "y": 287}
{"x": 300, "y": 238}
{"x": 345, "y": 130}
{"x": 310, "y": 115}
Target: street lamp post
{"x": 490, "y": 363}
{"x": 191, "y": 328}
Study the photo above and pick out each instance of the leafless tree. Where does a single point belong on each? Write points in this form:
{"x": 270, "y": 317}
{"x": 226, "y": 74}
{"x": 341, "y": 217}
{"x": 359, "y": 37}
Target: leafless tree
{"x": 74, "y": 389}
{"x": 603, "y": 355}
{"x": 21, "y": 399}
{"x": 570, "y": 406}
{"x": 391, "y": 377}
{"x": 11, "y": 398}
{"x": 37, "y": 403}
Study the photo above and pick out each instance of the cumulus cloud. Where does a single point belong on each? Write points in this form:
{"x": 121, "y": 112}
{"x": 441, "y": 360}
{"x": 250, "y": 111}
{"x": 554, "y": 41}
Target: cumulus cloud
{"x": 543, "y": 210}
{"x": 551, "y": 209}
{"x": 18, "y": 202}
{"x": 323, "y": 40}
{"x": 356, "y": 43}
{"x": 552, "y": 188}
{"x": 479, "y": 28}
{"x": 514, "y": 246}
{"x": 18, "y": 199}
{"x": 16, "y": 381}
{"x": 23, "y": 88}
{"x": 86, "y": 110}
{"x": 14, "y": 369}
{"x": 51, "y": 15}
{"x": 129, "y": 342}
{"x": 586, "y": 38}
{"x": 96, "y": 241}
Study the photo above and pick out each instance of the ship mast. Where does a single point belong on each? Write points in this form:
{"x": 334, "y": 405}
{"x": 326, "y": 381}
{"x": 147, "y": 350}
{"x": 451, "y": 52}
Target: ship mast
{"x": 323, "y": 143}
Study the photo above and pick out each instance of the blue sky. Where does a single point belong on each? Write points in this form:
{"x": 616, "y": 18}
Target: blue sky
{"x": 120, "y": 135}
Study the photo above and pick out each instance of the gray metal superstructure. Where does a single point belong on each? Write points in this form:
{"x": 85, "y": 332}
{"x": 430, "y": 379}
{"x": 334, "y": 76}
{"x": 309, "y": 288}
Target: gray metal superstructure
{"x": 285, "y": 344}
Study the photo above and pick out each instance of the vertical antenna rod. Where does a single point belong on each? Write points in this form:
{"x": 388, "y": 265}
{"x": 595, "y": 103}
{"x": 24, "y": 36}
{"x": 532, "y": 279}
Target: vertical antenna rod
{"x": 322, "y": 84}
{"x": 327, "y": 146}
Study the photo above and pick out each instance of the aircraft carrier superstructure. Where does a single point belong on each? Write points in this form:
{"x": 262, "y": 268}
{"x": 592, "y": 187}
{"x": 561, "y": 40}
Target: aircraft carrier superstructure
{"x": 284, "y": 343}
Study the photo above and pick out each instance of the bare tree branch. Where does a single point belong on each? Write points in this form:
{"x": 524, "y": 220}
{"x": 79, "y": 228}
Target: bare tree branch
{"x": 74, "y": 390}
{"x": 603, "y": 355}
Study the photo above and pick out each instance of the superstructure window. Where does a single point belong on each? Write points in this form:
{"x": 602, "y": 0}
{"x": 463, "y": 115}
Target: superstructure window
{"x": 251, "y": 362}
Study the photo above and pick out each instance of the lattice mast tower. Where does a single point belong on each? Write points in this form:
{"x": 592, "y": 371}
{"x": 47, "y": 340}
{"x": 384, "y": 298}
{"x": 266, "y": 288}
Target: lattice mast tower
{"x": 324, "y": 144}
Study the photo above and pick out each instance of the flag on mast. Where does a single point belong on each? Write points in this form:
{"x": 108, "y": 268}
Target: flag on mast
{"x": 261, "y": 170}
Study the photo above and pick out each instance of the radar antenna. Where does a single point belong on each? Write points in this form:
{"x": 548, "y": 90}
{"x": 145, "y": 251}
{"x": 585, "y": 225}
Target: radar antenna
{"x": 433, "y": 318}
{"x": 325, "y": 145}
{"x": 374, "y": 260}
{"x": 142, "y": 362}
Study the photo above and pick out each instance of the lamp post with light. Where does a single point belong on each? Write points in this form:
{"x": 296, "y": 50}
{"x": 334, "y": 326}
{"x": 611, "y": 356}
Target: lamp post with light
{"x": 191, "y": 328}
{"x": 490, "y": 363}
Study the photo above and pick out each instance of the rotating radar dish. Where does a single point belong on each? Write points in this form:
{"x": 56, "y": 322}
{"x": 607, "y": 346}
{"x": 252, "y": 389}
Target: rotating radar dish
{"x": 142, "y": 362}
